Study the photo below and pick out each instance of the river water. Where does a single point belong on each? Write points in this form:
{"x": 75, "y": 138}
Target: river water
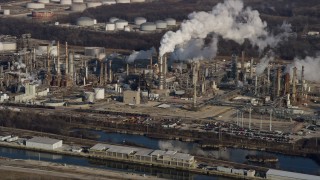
{"x": 286, "y": 162}
{"x": 112, "y": 165}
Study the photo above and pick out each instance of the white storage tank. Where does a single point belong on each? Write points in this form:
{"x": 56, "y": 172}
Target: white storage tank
{"x": 93, "y": 4}
{"x": 35, "y": 6}
{"x": 127, "y": 29}
{"x": 113, "y": 19}
{"x": 79, "y": 7}
{"x": 89, "y": 97}
{"x": 161, "y": 24}
{"x": 139, "y": 20}
{"x": 6, "y": 12}
{"x": 120, "y": 24}
{"x": 8, "y": 46}
{"x": 137, "y": 1}
{"x": 109, "y": 2}
{"x": 85, "y": 21}
{"x": 77, "y": 1}
{"x": 148, "y": 26}
{"x": 55, "y": 1}
{"x": 65, "y": 2}
{"x": 110, "y": 26}
{"x": 171, "y": 22}
{"x": 123, "y": 1}
{"x": 98, "y": 93}
{"x": 44, "y": 1}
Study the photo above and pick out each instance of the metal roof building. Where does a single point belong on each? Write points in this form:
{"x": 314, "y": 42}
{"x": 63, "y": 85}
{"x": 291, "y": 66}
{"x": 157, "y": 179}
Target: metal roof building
{"x": 275, "y": 174}
{"x": 44, "y": 143}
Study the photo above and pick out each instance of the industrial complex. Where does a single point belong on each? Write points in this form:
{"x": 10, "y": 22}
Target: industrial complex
{"x": 181, "y": 89}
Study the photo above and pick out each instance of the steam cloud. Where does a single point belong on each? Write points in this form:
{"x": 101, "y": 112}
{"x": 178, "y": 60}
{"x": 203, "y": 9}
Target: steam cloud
{"x": 264, "y": 62}
{"x": 229, "y": 20}
{"x": 311, "y": 68}
{"x": 140, "y": 55}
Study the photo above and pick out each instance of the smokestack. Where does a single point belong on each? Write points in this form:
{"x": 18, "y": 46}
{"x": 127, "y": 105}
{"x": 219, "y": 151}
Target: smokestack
{"x": 127, "y": 69}
{"x": 251, "y": 68}
{"x": 67, "y": 65}
{"x": 105, "y": 72}
{"x": 58, "y": 58}
{"x": 110, "y": 71}
{"x": 161, "y": 83}
{"x": 242, "y": 64}
{"x": 302, "y": 82}
{"x": 256, "y": 85}
{"x": 165, "y": 66}
{"x": 86, "y": 69}
{"x": 278, "y": 81}
{"x": 294, "y": 87}
{"x": 151, "y": 64}
{"x": 101, "y": 73}
{"x": 48, "y": 57}
{"x": 70, "y": 65}
{"x": 34, "y": 59}
{"x": 287, "y": 83}
{"x": 195, "y": 78}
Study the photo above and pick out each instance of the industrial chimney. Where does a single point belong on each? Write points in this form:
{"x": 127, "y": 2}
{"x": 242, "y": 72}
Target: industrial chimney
{"x": 161, "y": 78}
{"x": 67, "y": 64}
{"x": 110, "y": 71}
{"x": 294, "y": 86}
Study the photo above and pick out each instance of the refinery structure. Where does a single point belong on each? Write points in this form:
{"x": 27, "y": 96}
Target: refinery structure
{"x": 180, "y": 89}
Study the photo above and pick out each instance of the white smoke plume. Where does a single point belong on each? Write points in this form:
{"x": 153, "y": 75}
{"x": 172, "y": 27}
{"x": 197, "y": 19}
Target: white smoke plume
{"x": 311, "y": 68}
{"x": 196, "y": 49}
{"x": 264, "y": 62}
{"x": 140, "y": 55}
{"x": 229, "y": 20}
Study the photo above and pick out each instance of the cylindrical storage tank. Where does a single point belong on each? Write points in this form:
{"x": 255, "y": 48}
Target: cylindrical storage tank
{"x": 139, "y": 20}
{"x": 127, "y": 29}
{"x": 79, "y": 7}
{"x": 55, "y": 1}
{"x": 171, "y": 22}
{"x": 113, "y": 19}
{"x": 43, "y": 1}
{"x": 77, "y": 1}
{"x": 89, "y": 97}
{"x": 148, "y": 26}
{"x": 93, "y": 4}
{"x": 110, "y": 26}
{"x": 85, "y": 21}
{"x": 35, "y": 6}
{"x": 65, "y": 2}
{"x": 120, "y": 24}
{"x": 98, "y": 93}
{"x": 6, "y": 12}
{"x": 94, "y": 21}
{"x": 137, "y": 1}
{"x": 161, "y": 24}
{"x": 109, "y": 2}
{"x": 123, "y": 1}
{"x": 8, "y": 46}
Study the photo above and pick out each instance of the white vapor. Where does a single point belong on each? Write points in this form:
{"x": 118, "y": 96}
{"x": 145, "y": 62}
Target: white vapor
{"x": 229, "y": 20}
{"x": 311, "y": 68}
{"x": 264, "y": 62}
{"x": 140, "y": 55}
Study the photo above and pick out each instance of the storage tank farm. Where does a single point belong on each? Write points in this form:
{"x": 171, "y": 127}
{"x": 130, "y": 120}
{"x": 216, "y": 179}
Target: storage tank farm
{"x": 161, "y": 24}
{"x": 148, "y": 26}
{"x": 139, "y": 20}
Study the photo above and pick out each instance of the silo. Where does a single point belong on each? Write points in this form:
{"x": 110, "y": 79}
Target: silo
{"x": 120, "y": 24}
{"x": 35, "y": 6}
{"x": 139, "y": 20}
{"x": 98, "y": 93}
{"x": 161, "y": 24}
{"x": 77, "y": 1}
{"x": 122, "y": 1}
{"x": 8, "y": 46}
{"x": 79, "y": 7}
{"x": 113, "y": 19}
{"x": 171, "y": 22}
{"x": 137, "y": 1}
{"x": 43, "y": 1}
{"x": 110, "y": 26}
{"x": 148, "y": 26}
{"x": 93, "y": 4}
{"x": 85, "y": 21}
{"x": 108, "y": 2}
{"x": 65, "y": 2}
{"x": 6, "y": 12}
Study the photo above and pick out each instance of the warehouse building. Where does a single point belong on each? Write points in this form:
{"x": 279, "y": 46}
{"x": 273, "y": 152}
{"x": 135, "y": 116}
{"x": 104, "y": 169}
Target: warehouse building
{"x": 44, "y": 143}
{"x": 170, "y": 158}
{"x": 274, "y": 174}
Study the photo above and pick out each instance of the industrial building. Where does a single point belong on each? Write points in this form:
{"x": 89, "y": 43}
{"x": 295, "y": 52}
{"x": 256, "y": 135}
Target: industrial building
{"x": 43, "y": 143}
{"x": 142, "y": 155}
{"x": 131, "y": 97}
{"x": 274, "y": 174}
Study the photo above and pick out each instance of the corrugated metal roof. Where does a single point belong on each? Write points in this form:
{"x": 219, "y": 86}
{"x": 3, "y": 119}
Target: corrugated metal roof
{"x": 292, "y": 175}
{"x": 44, "y": 140}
